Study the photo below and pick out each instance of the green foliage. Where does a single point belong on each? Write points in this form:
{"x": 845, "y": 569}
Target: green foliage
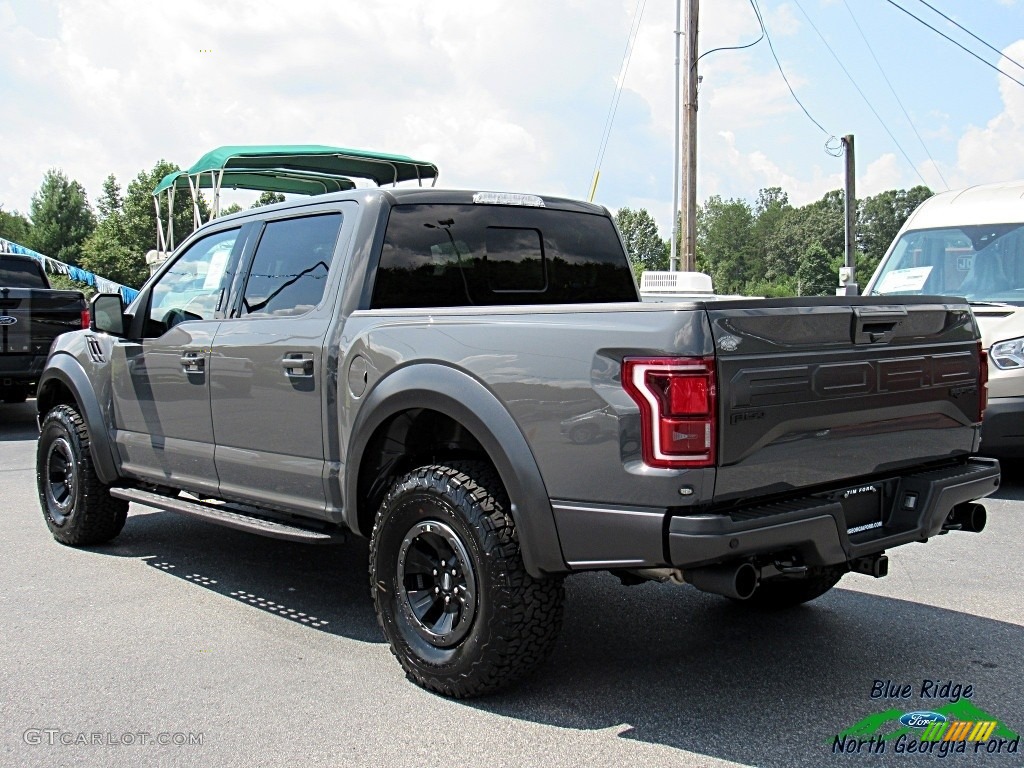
{"x": 268, "y": 198}
{"x": 127, "y": 230}
{"x": 61, "y": 218}
{"x": 233, "y": 208}
{"x": 65, "y": 283}
{"x": 725, "y": 243}
{"x": 817, "y": 273}
{"x": 644, "y": 245}
{"x": 14, "y": 226}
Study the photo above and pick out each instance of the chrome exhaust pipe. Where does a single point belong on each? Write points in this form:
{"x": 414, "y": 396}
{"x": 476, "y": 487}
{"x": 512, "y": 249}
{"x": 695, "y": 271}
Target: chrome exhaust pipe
{"x": 735, "y": 581}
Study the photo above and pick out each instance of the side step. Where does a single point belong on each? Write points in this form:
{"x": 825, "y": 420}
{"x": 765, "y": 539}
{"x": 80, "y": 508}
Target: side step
{"x": 230, "y": 518}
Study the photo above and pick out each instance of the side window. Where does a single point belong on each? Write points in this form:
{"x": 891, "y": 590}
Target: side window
{"x": 194, "y": 286}
{"x": 289, "y": 269}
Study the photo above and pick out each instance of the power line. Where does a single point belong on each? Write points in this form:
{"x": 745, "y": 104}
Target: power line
{"x": 965, "y": 29}
{"x": 764, "y": 29}
{"x": 954, "y": 42}
{"x": 733, "y": 47}
{"x": 627, "y": 54}
{"x": 866, "y": 100}
{"x": 895, "y": 96}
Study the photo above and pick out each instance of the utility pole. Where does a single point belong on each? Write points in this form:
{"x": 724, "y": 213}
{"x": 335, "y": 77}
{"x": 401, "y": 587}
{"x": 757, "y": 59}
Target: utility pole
{"x": 689, "y": 142}
{"x": 848, "y": 273}
{"x": 673, "y": 254}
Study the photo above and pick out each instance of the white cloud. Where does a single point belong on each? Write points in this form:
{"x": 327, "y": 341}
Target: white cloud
{"x": 995, "y": 152}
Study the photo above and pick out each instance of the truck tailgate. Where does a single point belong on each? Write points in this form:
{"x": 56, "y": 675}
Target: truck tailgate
{"x": 817, "y": 391}
{"x": 33, "y": 318}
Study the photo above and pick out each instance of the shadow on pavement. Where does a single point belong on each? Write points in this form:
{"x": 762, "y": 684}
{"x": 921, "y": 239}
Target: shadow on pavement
{"x": 18, "y": 422}
{"x": 656, "y": 663}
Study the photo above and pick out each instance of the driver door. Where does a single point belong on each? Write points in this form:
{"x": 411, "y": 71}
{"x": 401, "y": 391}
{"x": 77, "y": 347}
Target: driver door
{"x": 161, "y": 390}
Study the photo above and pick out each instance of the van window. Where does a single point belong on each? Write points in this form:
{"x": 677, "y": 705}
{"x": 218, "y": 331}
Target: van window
{"x": 981, "y": 262}
{"x": 466, "y": 255}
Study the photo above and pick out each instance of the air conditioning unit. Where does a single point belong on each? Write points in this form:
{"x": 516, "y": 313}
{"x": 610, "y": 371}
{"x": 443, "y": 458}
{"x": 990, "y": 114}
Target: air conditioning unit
{"x": 688, "y": 284}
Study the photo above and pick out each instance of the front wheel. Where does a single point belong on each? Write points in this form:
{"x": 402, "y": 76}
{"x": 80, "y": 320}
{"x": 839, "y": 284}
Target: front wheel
{"x": 77, "y": 506}
{"x": 452, "y": 595}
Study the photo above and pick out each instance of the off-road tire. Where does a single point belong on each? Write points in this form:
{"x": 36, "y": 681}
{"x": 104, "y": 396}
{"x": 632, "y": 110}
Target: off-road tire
{"x": 512, "y": 622}
{"x": 781, "y": 593}
{"x": 77, "y": 506}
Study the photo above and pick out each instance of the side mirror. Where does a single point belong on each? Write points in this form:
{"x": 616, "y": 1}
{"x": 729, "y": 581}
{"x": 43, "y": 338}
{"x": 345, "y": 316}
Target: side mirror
{"x": 107, "y": 313}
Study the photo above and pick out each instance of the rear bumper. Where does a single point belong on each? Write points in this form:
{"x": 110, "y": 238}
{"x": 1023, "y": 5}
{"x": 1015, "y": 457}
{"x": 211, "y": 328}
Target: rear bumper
{"x": 20, "y": 369}
{"x": 816, "y": 529}
{"x": 1002, "y": 430}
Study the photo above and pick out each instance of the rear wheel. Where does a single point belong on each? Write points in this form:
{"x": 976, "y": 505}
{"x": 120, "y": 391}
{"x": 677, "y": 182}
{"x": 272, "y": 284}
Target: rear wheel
{"x": 77, "y": 506}
{"x": 452, "y": 595}
{"x": 780, "y": 593}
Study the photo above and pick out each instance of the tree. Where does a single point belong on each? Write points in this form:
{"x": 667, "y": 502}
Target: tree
{"x": 268, "y": 198}
{"x": 798, "y": 229}
{"x": 725, "y": 243}
{"x": 644, "y": 245}
{"x": 14, "y": 227}
{"x": 61, "y": 218}
{"x": 879, "y": 218}
{"x": 818, "y": 272}
{"x": 117, "y": 250}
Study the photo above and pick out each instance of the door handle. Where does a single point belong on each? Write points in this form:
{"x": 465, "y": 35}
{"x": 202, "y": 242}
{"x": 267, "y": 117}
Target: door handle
{"x": 193, "y": 362}
{"x": 297, "y": 364}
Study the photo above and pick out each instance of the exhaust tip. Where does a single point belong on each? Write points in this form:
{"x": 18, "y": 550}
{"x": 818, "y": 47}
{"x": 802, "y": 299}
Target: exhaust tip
{"x": 968, "y": 517}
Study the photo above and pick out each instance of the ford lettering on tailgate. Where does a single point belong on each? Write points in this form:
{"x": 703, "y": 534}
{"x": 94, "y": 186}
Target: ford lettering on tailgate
{"x": 758, "y": 387}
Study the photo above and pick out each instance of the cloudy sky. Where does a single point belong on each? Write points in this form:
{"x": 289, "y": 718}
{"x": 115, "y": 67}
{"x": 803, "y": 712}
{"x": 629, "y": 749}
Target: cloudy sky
{"x": 514, "y": 95}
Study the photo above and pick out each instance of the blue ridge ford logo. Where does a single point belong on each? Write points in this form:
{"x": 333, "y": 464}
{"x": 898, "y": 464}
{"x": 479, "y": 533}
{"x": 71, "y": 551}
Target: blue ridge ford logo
{"x": 7, "y": 320}
{"x": 921, "y": 719}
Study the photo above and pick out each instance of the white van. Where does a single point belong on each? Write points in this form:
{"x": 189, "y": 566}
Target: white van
{"x": 970, "y": 243}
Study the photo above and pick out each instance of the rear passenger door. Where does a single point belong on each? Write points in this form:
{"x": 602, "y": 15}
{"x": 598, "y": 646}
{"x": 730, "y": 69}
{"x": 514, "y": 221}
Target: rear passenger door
{"x": 267, "y": 367}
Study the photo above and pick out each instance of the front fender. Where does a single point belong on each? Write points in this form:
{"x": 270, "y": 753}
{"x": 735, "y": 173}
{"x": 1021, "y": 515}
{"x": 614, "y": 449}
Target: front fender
{"x": 64, "y": 370}
{"x": 466, "y": 400}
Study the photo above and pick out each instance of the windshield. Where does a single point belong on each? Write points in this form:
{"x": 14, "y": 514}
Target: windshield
{"x": 984, "y": 263}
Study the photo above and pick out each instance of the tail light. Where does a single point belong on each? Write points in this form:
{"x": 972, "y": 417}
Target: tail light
{"x": 982, "y": 381}
{"x": 677, "y": 409}
{"x": 85, "y": 318}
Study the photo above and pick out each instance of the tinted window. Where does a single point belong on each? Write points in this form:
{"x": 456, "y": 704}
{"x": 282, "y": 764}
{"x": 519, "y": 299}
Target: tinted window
{"x": 460, "y": 255}
{"x": 21, "y": 273}
{"x": 193, "y": 287}
{"x": 289, "y": 270}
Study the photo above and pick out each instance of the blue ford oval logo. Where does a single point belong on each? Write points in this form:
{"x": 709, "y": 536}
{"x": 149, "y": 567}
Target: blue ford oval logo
{"x": 7, "y": 320}
{"x": 922, "y": 719}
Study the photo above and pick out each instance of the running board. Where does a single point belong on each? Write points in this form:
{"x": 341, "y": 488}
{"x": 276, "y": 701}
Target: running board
{"x": 230, "y": 518}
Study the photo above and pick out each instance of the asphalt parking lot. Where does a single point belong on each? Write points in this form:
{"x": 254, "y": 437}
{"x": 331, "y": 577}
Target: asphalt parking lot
{"x": 181, "y": 643}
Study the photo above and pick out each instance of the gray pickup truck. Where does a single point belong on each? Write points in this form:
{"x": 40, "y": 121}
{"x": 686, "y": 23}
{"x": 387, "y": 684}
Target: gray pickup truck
{"x": 471, "y": 381}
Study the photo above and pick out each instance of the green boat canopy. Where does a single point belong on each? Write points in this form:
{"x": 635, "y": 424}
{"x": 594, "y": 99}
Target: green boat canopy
{"x": 305, "y": 169}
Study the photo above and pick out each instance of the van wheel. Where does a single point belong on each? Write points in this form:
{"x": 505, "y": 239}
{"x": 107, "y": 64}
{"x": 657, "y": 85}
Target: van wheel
{"x": 452, "y": 595}
{"x": 780, "y": 593}
{"x": 77, "y": 506}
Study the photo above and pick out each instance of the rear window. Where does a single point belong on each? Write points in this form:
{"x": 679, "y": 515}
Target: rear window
{"x": 21, "y": 273}
{"x": 465, "y": 255}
